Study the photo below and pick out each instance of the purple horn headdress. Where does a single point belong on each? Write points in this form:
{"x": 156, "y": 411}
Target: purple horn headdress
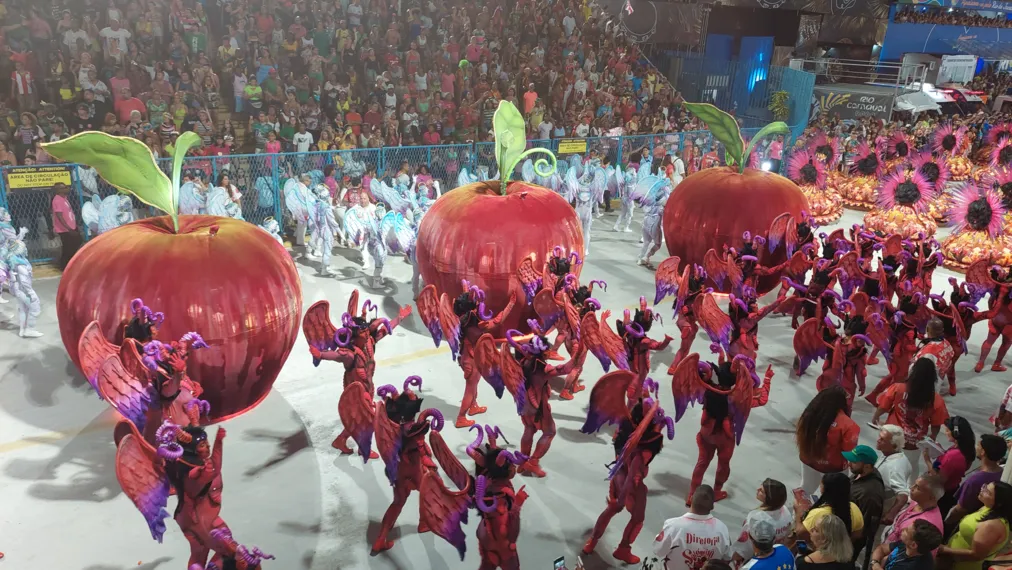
{"x": 141, "y": 311}
{"x": 493, "y": 432}
{"x": 599, "y": 282}
{"x": 477, "y": 441}
{"x": 666, "y": 421}
{"x": 166, "y": 436}
{"x": 574, "y": 258}
{"x": 388, "y": 391}
{"x": 437, "y": 417}
{"x": 410, "y": 381}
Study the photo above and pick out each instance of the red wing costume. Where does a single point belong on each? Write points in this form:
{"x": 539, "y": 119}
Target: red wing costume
{"x": 490, "y": 492}
{"x": 745, "y": 315}
{"x": 190, "y": 467}
{"x": 958, "y": 314}
{"x": 557, "y": 267}
{"x": 354, "y": 346}
{"x": 728, "y": 391}
{"x": 94, "y": 349}
{"x": 639, "y": 438}
{"x": 400, "y": 427}
{"x": 996, "y": 281}
{"x": 565, "y": 310}
{"x": 462, "y": 322}
{"x": 903, "y": 341}
{"x": 686, "y": 286}
{"x": 637, "y": 346}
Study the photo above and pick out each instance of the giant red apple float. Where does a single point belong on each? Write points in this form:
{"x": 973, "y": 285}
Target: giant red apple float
{"x": 716, "y": 206}
{"x": 482, "y": 231}
{"x": 226, "y": 279}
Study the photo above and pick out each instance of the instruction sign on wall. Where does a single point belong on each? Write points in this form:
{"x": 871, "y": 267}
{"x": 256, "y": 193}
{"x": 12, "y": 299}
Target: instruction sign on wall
{"x": 32, "y": 177}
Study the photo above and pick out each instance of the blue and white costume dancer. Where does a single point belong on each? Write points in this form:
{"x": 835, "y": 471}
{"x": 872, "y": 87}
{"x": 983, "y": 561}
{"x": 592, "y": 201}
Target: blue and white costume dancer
{"x": 651, "y": 193}
{"x": 20, "y": 282}
{"x": 101, "y": 215}
{"x": 361, "y": 228}
{"x": 583, "y": 192}
{"x": 8, "y": 235}
{"x": 323, "y": 228}
{"x": 620, "y": 183}
{"x": 192, "y": 198}
{"x": 272, "y": 227}
{"x": 299, "y": 201}
{"x": 219, "y": 203}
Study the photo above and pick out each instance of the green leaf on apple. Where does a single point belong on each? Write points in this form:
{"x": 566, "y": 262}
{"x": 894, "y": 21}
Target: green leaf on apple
{"x": 184, "y": 143}
{"x": 724, "y": 129}
{"x": 510, "y": 139}
{"x": 775, "y": 128}
{"x": 123, "y": 162}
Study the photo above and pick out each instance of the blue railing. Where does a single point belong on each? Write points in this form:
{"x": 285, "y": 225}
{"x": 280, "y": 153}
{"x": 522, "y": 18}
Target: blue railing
{"x": 27, "y": 191}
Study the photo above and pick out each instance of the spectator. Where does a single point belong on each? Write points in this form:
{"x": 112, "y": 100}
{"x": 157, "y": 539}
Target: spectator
{"x": 773, "y": 511}
{"x": 923, "y": 505}
{"x": 128, "y": 104}
{"x": 834, "y": 499}
{"x": 65, "y": 224}
{"x": 824, "y": 432}
{"x": 982, "y": 534}
{"x": 911, "y": 552}
{"x": 685, "y": 541}
{"x": 833, "y": 549}
{"x": 767, "y": 552}
{"x": 867, "y": 491}
{"x": 914, "y": 406}
{"x": 895, "y": 470}
{"x": 990, "y": 450}
{"x": 953, "y": 463}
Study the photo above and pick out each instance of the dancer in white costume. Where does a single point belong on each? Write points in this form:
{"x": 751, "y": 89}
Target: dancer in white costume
{"x": 299, "y": 201}
{"x": 8, "y": 235}
{"x": 323, "y": 228}
{"x": 20, "y": 284}
{"x": 361, "y": 227}
{"x": 583, "y": 192}
{"x": 621, "y": 183}
{"x": 651, "y": 193}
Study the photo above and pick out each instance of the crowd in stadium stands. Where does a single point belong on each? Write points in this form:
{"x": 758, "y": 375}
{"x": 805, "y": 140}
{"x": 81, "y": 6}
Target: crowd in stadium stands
{"x": 319, "y": 75}
{"x": 951, "y": 17}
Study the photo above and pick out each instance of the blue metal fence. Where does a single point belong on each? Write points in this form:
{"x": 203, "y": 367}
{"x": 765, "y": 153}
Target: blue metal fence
{"x": 261, "y": 177}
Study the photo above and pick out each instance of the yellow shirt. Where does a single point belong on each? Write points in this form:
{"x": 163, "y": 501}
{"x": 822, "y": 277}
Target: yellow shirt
{"x": 815, "y": 515}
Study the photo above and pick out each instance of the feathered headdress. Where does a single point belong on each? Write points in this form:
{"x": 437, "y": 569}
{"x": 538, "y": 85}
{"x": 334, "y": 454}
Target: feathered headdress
{"x": 935, "y": 171}
{"x": 805, "y": 170}
{"x": 899, "y": 145}
{"x": 867, "y": 161}
{"x": 977, "y": 210}
{"x": 905, "y": 188}
{"x": 1001, "y": 154}
{"x": 824, "y": 148}
{"x": 1000, "y": 181}
{"x": 999, "y": 133}
{"x": 946, "y": 140}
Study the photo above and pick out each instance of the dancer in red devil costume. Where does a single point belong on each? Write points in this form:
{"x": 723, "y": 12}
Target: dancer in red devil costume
{"x": 728, "y": 392}
{"x": 904, "y": 341}
{"x": 490, "y": 492}
{"x": 353, "y": 345}
{"x": 552, "y": 277}
{"x": 566, "y": 309}
{"x": 400, "y": 430}
{"x": 997, "y": 282}
{"x": 187, "y": 463}
{"x": 640, "y": 437}
{"x": 629, "y": 349}
{"x": 462, "y": 322}
{"x": 745, "y": 314}
{"x": 686, "y": 286}
{"x": 958, "y": 315}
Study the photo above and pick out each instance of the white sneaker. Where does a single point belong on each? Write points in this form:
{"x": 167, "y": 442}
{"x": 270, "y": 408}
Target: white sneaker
{"x": 641, "y": 240}
{"x": 4, "y": 301}
{"x": 641, "y": 261}
{"x": 629, "y": 231}
{"x": 615, "y": 229}
{"x": 31, "y": 333}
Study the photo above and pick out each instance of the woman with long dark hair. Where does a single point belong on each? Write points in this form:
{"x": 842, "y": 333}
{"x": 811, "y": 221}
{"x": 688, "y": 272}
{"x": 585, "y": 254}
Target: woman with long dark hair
{"x": 914, "y": 406}
{"x": 985, "y": 533}
{"x": 824, "y": 432}
{"x": 834, "y": 499}
{"x": 952, "y": 465}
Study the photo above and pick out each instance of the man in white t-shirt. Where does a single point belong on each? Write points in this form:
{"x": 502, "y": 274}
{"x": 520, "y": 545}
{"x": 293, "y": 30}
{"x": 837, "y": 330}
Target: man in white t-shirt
{"x": 688, "y": 541}
{"x": 114, "y": 33}
{"x": 895, "y": 470}
{"x": 679, "y": 169}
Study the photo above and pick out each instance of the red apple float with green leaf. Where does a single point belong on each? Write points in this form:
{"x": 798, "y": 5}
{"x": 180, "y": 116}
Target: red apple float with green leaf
{"x": 225, "y": 279}
{"x": 482, "y": 231}
{"x": 716, "y": 206}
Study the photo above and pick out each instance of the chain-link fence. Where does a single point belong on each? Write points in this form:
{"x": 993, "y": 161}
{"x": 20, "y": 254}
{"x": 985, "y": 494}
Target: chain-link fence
{"x": 27, "y": 191}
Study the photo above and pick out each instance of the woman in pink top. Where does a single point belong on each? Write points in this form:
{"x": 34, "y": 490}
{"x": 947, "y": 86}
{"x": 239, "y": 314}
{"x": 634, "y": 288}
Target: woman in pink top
{"x": 65, "y": 224}
{"x": 952, "y": 465}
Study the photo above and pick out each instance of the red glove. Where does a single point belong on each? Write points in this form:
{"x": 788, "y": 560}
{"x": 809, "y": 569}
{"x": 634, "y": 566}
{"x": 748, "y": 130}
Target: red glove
{"x": 315, "y": 352}
{"x": 405, "y": 311}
